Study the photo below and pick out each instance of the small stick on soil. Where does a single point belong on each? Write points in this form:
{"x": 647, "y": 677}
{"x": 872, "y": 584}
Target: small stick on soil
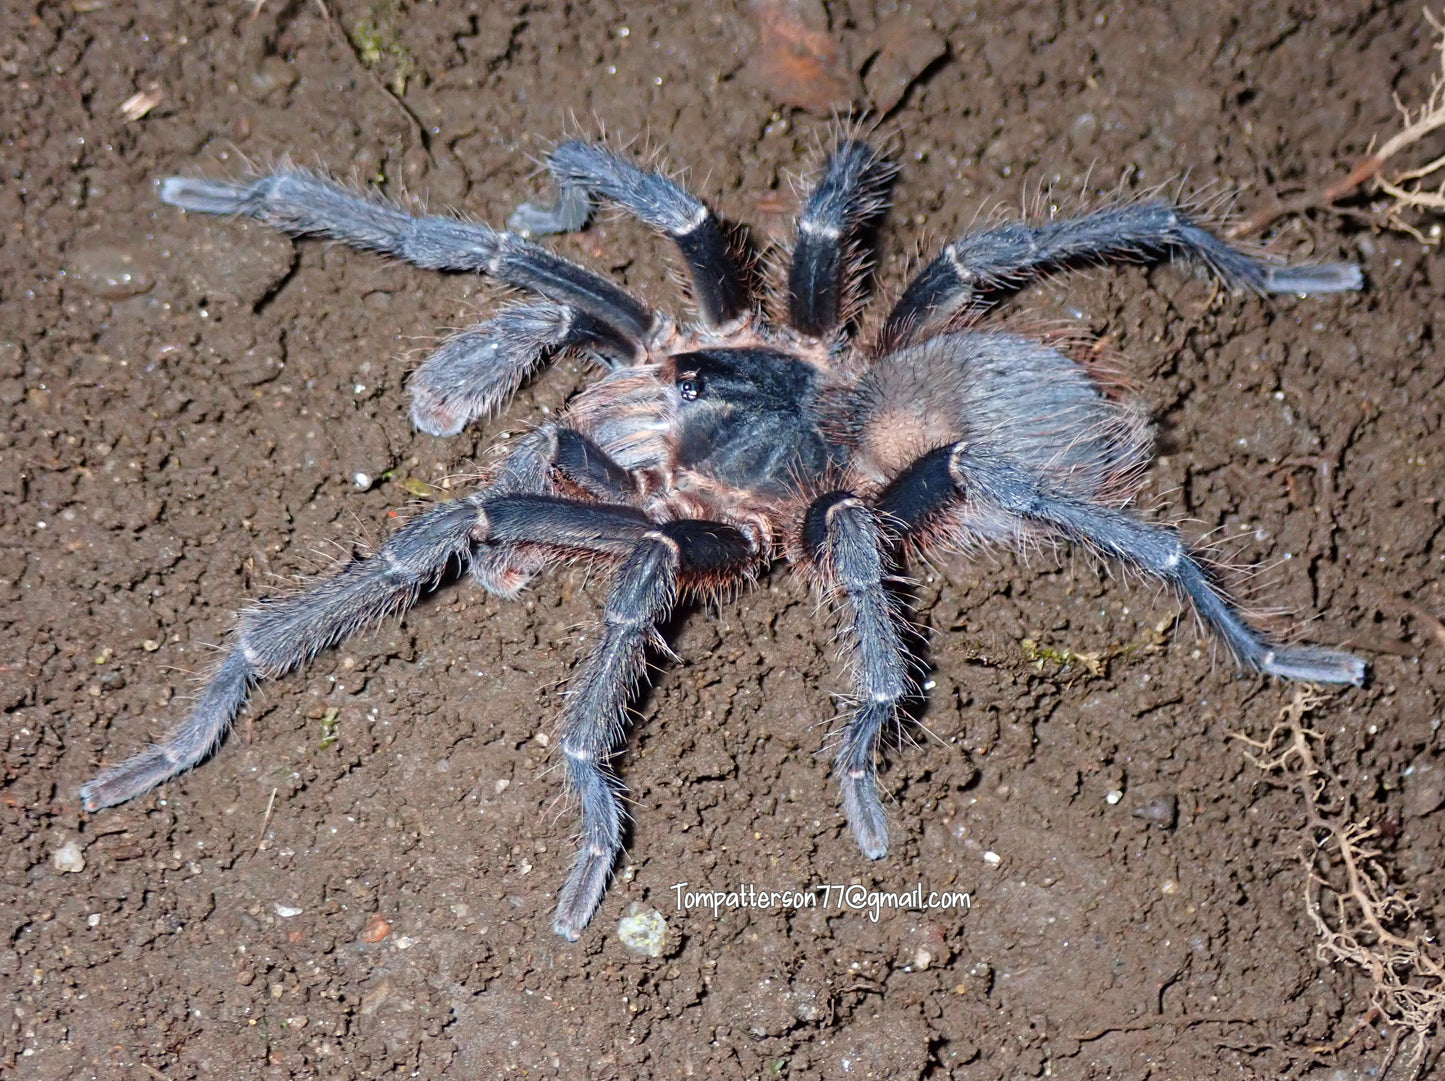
{"x": 270, "y": 806}
{"x": 1362, "y": 913}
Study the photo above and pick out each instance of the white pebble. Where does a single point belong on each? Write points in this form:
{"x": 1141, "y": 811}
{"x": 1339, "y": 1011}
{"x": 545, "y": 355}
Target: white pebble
{"x": 992, "y": 858}
{"x": 643, "y": 931}
{"x": 285, "y": 911}
{"x": 68, "y": 858}
{"x": 362, "y": 481}
{"x": 1114, "y": 797}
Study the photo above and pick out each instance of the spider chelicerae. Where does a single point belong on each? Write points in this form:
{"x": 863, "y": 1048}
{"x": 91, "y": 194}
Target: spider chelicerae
{"x": 709, "y": 450}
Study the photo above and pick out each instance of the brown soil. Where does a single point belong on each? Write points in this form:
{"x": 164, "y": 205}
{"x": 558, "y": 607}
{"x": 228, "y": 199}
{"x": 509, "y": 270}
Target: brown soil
{"x": 189, "y": 399}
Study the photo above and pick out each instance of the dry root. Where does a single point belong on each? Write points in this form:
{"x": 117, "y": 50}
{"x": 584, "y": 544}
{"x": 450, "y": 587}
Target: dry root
{"x": 1410, "y": 188}
{"x": 1362, "y": 916}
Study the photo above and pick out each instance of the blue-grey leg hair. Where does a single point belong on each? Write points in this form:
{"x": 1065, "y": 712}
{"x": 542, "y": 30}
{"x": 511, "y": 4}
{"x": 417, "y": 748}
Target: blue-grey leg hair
{"x": 274, "y": 638}
{"x": 644, "y": 590}
{"x": 991, "y": 481}
{"x": 497, "y": 531}
{"x": 476, "y": 371}
{"x": 843, "y": 537}
{"x": 582, "y": 171}
{"x": 301, "y": 203}
{"x": 979, "y": 268}
{"x": 851, "y": 189}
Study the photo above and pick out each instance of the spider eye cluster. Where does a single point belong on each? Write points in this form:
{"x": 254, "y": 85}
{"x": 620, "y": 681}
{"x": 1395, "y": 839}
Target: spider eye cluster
{"x": 752, "y": 378}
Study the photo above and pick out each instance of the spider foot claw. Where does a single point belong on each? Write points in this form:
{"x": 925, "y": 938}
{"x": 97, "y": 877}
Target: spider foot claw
{"x": 1311, "y": 664}
{"x": 1321, "y": 278}
{"x": 864, "y": 811}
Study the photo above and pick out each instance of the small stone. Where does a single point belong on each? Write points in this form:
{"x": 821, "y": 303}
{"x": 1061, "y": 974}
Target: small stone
{"x": 68, "y": 858}
{"x": 376, "y": 928}
{"x": 285, "y": 911}
{"x": 643, "y": 931}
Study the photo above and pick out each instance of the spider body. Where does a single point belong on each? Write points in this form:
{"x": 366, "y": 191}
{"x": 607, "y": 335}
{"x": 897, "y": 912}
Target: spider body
{"x": 707, "y": 452}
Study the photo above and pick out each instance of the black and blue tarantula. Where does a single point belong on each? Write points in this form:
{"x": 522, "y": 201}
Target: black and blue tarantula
{"x": 709, "y": 450}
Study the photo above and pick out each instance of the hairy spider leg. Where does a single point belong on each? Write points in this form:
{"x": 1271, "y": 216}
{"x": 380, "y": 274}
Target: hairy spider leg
{"x": 644, "y": 590}
{"x": 590, "y": 468}
{"x": 991, "y": 484}
{"x": 581, "y": 171}
{"x": 851, "y": 190}
{"x": 843, "y": 537}
{"x": 300, "y": 203}
{"x": 477, "y": 370}
{"x": 274, "y": 638}
{"x": 978, "y": 269}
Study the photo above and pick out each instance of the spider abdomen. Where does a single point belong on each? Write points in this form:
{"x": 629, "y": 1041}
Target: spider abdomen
{"x": 1007, "y": 395}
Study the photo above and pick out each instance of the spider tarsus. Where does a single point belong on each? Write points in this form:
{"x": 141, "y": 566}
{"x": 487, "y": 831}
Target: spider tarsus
{"x": 568, "y": 213}
{"x": 864, "y": 812}
{"x": 185, "y": 746}
{"x": 1313, "y": 664}
{"x": 583, "y": 892}
{"x": 1314, "y": 280}
{"x": 135, "y": 775}
{"x": 207, "y": 196}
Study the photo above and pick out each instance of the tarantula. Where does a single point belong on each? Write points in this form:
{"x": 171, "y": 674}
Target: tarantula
{"x": 709, "y": 450}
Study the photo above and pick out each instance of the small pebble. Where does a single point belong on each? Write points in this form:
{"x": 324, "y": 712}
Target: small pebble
{"x": 285, "y": 911}
{"x": 643, "y": 931}
{"x": 68, "y": 858}
{"x": 1162, "y": 811}
{"x": 992, "y": 858}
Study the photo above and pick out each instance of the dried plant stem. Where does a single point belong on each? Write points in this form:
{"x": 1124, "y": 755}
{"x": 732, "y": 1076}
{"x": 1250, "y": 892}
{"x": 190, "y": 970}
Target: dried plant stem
{"x": 1410, "y": 189}
{"x": 1361, "y": 915}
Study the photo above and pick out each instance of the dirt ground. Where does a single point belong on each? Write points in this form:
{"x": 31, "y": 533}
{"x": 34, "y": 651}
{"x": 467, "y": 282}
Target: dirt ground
{"x": 360, "y": 884}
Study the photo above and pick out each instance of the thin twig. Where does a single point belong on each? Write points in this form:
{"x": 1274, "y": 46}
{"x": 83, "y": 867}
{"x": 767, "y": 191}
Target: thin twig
{"x": 270, "y": 806}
